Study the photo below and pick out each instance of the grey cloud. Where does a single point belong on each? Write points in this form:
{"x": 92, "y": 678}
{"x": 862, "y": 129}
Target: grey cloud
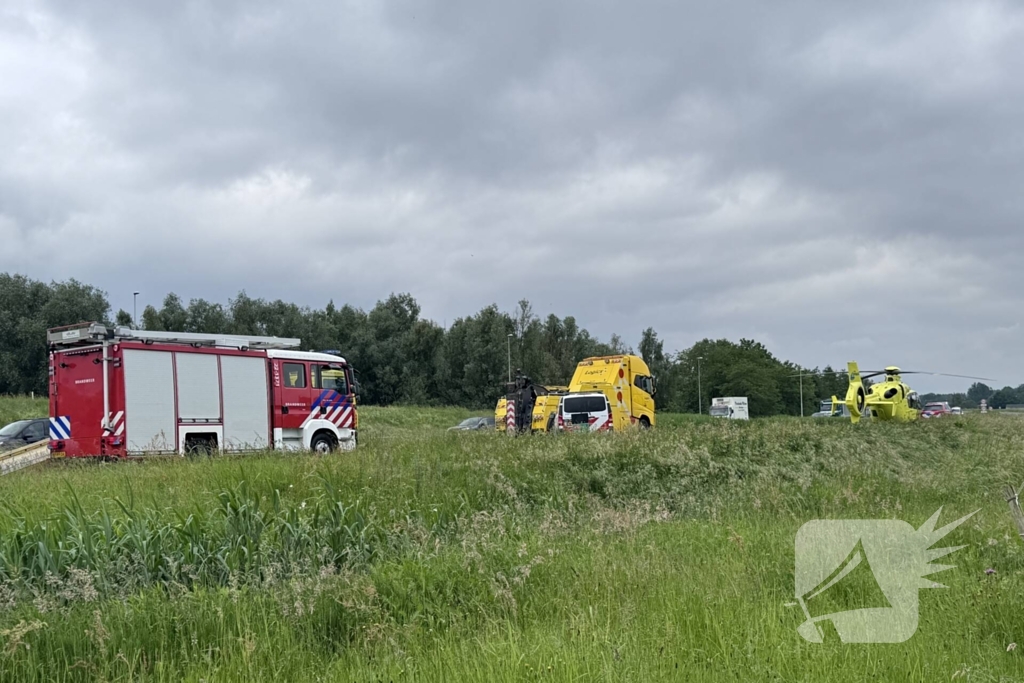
{"x": 840, "y": 181}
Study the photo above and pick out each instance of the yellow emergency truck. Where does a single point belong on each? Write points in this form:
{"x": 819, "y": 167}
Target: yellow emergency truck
{"x": 627, "y": 383}
{"x": 544, "y": 409}
{"x": 499, "y": 415}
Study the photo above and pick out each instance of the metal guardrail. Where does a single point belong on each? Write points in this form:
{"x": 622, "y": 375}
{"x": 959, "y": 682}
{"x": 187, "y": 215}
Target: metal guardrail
{"x": 23, "y": 457}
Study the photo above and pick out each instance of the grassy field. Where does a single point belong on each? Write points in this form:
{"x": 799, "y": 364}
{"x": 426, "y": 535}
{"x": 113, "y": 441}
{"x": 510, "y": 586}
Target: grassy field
{"x": 21, "y": 408}
{"x": 666, "y": 555}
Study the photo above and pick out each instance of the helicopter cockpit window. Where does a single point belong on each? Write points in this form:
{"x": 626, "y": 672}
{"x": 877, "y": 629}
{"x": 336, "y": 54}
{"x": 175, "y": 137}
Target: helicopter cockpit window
{"x": 913, "y": 400}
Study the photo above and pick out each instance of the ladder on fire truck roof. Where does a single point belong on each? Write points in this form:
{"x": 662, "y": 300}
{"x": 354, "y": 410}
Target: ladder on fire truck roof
{"x": 93, "y": 333}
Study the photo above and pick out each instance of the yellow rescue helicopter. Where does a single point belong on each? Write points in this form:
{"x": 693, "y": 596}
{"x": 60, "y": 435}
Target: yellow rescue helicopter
{"x": 890, "y": 399}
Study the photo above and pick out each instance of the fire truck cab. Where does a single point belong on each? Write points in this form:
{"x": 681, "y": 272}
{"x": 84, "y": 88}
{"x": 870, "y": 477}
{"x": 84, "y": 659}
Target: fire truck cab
{"x": 119, "y": 392}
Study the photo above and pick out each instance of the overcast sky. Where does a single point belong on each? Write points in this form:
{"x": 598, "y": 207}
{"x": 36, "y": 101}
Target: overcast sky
{"x": 838, "y": 181}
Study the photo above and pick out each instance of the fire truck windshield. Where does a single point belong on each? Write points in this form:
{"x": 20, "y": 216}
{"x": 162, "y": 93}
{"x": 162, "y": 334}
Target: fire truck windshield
{"x": 333, "y": 378}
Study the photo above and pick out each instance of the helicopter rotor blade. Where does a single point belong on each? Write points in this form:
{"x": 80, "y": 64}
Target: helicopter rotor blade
{"x": 863, "y": 373}
{"x": 943, "y": 374}
{"x": 868, "y": 374}
{"x": 816, "y": 374}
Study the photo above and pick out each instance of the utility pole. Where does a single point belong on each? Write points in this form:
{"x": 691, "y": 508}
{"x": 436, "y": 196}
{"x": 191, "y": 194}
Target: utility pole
{"x": 801, "y": 392}
{"x": 510, "y": 358}
{"x": 135, "y": 310}
{"x": 801, "y": 375}
{"x": 700, "y": 398}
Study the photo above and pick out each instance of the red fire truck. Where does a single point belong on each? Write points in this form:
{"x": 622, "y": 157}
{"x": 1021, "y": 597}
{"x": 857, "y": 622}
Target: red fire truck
{"x": 119, "y": 392}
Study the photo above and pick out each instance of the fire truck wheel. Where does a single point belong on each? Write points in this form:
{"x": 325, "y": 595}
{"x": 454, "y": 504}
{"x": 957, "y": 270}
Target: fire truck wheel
{"x": 197, "y": 445}
{"x": 323, "y": 443}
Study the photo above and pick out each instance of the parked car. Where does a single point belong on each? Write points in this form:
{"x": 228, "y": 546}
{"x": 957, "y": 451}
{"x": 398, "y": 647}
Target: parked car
{"x": 473, "y": 424}
{"x": 957, "y": 410}
{"x": 23, "y": 433}
{"x": 936, "y": 409}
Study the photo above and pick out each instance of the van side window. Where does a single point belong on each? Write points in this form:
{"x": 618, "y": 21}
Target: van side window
{"x": 294, "y": 375}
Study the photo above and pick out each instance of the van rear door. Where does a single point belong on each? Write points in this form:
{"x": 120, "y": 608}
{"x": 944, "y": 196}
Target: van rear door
{"x": 586, "y": 412}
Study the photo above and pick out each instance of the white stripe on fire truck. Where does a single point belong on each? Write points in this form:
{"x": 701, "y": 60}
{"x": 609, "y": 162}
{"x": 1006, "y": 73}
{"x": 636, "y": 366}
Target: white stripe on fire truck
{"x": 118, "y": 423}
{"x": 114, "y": 419}
{"x": 340, "y": 416}
{"x": 346, "y": 417}
{"x": 315, "y": 415}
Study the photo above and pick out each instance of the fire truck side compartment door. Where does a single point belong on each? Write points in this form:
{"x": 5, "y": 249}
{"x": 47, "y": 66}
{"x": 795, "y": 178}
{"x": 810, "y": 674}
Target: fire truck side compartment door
{"x": 246, "y": 402}
{"x": 149, "y": 400}
{"x": 198, "y": 387}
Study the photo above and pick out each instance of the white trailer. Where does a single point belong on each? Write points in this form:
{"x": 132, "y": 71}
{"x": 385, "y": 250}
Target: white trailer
{"x": 730, "y": 407}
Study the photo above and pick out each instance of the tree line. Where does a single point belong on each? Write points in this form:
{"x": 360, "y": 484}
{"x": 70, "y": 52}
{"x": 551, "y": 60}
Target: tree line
{"x": 979, "y": 391}
{"x": 402, "y": 358}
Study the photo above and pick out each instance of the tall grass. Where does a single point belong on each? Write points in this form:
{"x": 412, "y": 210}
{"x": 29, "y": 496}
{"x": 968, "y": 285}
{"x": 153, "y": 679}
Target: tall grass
{"x": 423, "y": 555}
{"x": 242, "y": 540}
{"x": 14, "y": 408}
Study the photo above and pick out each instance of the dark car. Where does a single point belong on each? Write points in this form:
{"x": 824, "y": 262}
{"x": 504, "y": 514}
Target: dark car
{"x": 473, "y": 424}
{"x": 23, "y": 432}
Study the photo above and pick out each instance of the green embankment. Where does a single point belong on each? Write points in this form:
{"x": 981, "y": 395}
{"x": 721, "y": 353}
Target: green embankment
{"x": 666, "y": 555}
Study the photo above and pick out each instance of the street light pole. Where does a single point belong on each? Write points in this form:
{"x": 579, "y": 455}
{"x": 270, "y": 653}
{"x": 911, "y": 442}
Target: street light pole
{"x": 801, "y": 392}
{"x": 509, "y": 358}
{"x": 700, "y": 399}
{"x": 135, "y": 309}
